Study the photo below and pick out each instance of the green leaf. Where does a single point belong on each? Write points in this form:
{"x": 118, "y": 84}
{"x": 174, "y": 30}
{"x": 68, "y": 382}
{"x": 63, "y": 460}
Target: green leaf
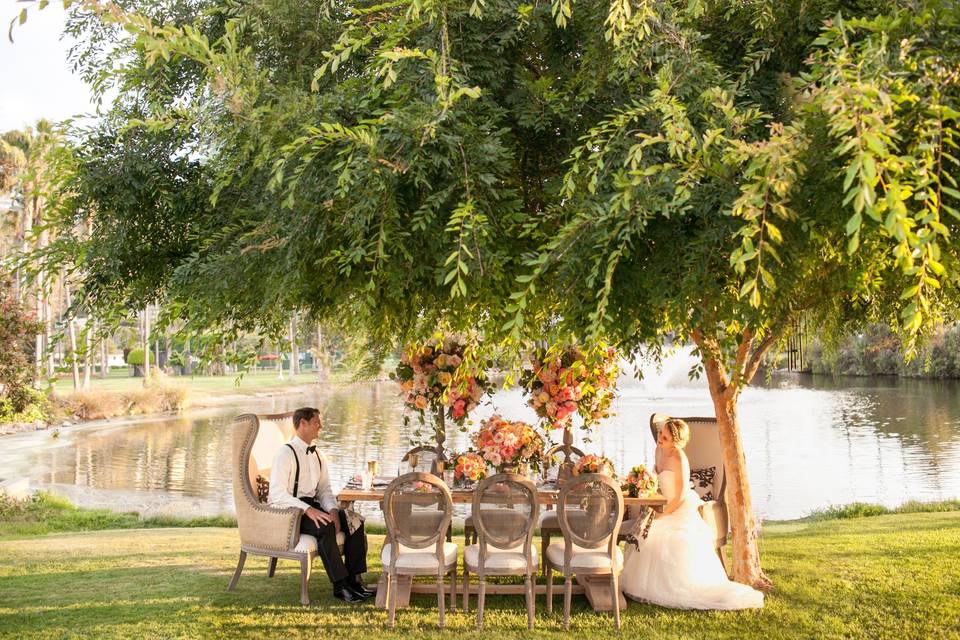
{"x": 853, "y": 224}
{"x": 853, "y": 243}
{"x": 875, "y": 144}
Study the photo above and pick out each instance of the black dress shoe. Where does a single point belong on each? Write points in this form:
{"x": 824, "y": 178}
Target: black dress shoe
{"x": 360, "y": 588}
{"x": 348, "y": 594}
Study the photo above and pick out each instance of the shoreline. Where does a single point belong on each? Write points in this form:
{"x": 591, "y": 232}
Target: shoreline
{"x": 209, "y": 400}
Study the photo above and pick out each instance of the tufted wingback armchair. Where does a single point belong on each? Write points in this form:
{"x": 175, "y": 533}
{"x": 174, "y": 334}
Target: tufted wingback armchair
{"x": 265, "y": 530}
{"x": 706, "y": 472}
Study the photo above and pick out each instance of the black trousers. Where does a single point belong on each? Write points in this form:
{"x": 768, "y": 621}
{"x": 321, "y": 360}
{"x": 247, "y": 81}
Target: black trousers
{"x": 354, "y": 560}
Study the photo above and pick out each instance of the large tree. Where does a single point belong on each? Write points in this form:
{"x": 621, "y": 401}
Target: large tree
{"x": 631, "y": 170}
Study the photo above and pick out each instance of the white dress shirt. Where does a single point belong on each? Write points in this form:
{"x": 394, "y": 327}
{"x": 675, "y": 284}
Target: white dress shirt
{"x": 314, "y": 478}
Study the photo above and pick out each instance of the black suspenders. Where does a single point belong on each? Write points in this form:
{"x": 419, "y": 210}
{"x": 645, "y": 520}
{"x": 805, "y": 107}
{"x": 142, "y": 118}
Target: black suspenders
{"x": 296, "y": 478}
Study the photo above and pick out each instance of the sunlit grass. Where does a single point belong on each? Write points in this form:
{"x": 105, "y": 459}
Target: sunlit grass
{"x": 890, "y": 576}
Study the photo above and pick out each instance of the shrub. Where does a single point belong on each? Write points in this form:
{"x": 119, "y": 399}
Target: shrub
{"x": 158, "y": 395}
{"x": 135, "y": 357}
{"x": 17, "y": 331}
{"x": 96, "y": 405}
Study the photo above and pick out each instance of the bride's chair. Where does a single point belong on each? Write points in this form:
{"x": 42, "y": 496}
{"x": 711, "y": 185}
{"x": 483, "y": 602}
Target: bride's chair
{"x": 589, "y": 511}
{"x": 265, "y": 530}
{"x": 706, "y": 473}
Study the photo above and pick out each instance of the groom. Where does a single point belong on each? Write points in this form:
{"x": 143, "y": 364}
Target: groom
{"x": 300, "y": 478}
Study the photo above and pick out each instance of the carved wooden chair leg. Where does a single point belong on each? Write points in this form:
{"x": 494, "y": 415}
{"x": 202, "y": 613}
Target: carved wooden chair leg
{"x": 615, "y": 591}
{"x": 529, "y": 584}
{"x": 567, "y": 595}
{"x": 305, "y": 567}
{"x": 391, "y": 599}
{"x": 466, "y": 589}
{"x": 236, "y": 574}
{"x": 441, "y": 599}
{"x": 481, "y": 600}
{"x": 271, "y": 567}
{"x": 544, "y": 543}
{"x": 453, "y": 589}
{"x": 549, "y": 588}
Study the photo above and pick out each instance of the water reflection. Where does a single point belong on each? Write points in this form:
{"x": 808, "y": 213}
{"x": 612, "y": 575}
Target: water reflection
{"x": 810, "y": 442}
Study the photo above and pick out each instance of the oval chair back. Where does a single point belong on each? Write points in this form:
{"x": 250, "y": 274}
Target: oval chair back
{"x": 589, "y": 511}
{"x": 417, "y": 508}
{"x": 505, "y": 510}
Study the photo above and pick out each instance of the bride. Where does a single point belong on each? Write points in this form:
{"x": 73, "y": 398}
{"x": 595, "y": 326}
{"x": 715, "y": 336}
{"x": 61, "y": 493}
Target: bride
{"x": 676, "y": 565}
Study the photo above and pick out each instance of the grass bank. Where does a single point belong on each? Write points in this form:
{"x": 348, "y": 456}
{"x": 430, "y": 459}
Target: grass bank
{"x": 890, "y": 576}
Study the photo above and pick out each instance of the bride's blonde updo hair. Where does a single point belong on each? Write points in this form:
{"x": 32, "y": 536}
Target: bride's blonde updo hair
{"x": 679, "y": 431}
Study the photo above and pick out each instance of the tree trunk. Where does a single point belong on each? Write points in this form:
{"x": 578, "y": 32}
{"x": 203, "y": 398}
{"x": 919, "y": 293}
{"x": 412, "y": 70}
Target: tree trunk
{"x": 318, "y": 358}
{"x": 38, "y": 349}
{"x": 146, "y": 344}
{"x": 187, "y": 355}
{"x": 88, "y": 352}
{"x": 72, "y": 332}
{"x": 743, "y": 523}
{"x": 104, "y": 358}
{"x": 294, "y": 348}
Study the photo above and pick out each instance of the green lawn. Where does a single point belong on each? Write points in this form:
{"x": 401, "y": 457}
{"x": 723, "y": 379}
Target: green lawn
{"x": 891, "y": 576}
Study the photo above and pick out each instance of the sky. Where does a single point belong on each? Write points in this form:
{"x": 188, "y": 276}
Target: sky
{"x": 35, "y": 77}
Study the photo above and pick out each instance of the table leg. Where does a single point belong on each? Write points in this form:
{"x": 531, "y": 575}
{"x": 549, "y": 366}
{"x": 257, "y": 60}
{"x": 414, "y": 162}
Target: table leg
{"x": 597, "y": 589}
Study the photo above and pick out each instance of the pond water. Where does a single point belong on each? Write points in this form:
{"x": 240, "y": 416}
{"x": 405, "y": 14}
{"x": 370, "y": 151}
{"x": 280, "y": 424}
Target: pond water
{"x": 810, "y": 442}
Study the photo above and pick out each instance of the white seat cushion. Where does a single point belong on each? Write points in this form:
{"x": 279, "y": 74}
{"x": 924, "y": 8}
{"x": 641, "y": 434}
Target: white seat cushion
{"x": 584, "y": 558}
{"x": 500, "y": 559}
{"x": 419, "y": 559}
{"x": 308, "y": 543}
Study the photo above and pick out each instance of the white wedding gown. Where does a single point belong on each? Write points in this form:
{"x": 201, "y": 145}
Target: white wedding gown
{"x": 677, "y": 566}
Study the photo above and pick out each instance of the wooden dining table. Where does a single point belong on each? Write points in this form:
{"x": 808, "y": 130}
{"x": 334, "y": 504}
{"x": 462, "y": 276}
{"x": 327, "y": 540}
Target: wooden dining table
{"x": 596, "y": 589}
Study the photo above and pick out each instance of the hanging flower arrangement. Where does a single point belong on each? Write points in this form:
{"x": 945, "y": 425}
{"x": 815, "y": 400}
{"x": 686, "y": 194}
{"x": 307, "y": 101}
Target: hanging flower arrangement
{"x": 573, "y": 381}
{"x": 441, "y": 376}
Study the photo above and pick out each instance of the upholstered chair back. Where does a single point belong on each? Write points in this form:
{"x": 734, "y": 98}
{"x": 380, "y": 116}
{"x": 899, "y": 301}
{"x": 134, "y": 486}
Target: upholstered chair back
{"x": 254, "y": 529}
{"x": 704, "y": 453}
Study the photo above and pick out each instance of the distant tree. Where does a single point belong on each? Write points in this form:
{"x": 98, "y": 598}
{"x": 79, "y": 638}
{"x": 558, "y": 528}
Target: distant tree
{"x": 17, "y": 328}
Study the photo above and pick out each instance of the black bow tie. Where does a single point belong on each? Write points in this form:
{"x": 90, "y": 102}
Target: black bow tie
{"x": 311, "y": 448}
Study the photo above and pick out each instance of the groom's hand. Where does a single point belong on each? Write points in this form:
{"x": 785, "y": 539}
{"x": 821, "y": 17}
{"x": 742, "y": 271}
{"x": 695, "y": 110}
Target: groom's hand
{"x": 319, "y": 517}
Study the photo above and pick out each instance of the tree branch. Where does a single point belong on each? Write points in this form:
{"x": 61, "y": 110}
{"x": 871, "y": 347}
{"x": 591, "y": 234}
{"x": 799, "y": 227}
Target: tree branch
{"x": 760, "y": 351}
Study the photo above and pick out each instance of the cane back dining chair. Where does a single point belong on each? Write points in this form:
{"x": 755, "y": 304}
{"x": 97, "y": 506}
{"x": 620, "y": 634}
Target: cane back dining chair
{"x": 417, "y": 508}
{"x": 549, "y": 526}
{"x": 706, "y": 473}
{"x": 589, "y": 511}
{"x": 505, "y": 508}
{"x": 265, "y": 530}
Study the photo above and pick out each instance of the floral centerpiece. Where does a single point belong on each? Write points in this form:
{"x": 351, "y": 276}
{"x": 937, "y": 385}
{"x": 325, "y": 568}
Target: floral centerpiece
{"x": 506, "y": 444}
{"x": 469, "y": 467}
{"x": 443, "y": 377}
{"x": 640, "y": 482}
{"x": 594, "y": 464}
